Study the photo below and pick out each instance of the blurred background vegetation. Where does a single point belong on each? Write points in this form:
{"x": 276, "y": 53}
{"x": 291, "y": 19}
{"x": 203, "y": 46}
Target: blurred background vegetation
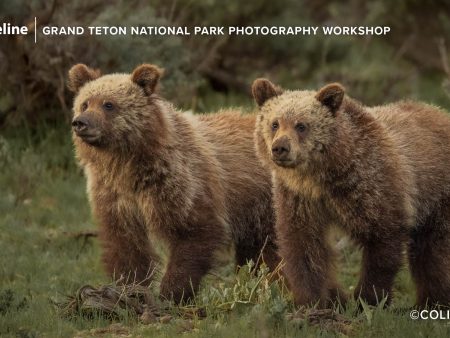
{"x": 203, "y": 73}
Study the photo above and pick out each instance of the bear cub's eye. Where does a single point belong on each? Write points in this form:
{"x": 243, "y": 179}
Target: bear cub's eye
{"x": 300, "y": 127}
{"x": 108, "y": 106}
{"x": 275, "y": 125}
{"x": 84, "y": 106}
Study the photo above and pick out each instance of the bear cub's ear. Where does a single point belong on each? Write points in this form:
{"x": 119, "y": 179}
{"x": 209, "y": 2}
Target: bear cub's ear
{"x": 331, "y": 96}
{"x": 147, "y": 76}
{"x": 263, "y": 89}
{"x": 79, "y": 75}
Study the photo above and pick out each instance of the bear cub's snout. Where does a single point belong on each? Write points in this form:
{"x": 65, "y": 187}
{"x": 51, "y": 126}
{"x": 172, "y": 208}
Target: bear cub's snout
{"x": 281, "y": 151}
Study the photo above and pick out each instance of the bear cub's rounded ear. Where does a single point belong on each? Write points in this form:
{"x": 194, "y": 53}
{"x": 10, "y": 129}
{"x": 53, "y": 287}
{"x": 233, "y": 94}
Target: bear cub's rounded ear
{"x": 147, "y": 76}
{"x": 263, "y": 89}
{"x": 79, "y": 75}
{"x": 331, "y": 96}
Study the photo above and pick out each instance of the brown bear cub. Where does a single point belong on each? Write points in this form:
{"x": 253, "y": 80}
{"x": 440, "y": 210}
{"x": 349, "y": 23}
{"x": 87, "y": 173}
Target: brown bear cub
{"x": 382, "y": 174}
{"x": 154, "y": 174}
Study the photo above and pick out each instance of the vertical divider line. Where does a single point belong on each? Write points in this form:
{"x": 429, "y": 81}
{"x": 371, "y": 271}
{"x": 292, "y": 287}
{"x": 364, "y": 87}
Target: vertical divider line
{"x": 35, "y": 30}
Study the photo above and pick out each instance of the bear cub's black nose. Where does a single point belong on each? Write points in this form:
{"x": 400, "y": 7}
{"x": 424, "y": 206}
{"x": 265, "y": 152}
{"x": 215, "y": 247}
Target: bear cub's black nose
{"x": 281, "y": 151}
{"x": 80, "y": 124}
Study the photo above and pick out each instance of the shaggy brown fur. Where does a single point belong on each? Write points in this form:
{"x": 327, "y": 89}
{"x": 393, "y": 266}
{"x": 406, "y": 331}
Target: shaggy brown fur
{"x": 381, "y": 174}
{"x": 190, "y": 182}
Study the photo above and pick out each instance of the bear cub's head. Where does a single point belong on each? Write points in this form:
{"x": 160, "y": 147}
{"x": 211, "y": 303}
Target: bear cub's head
{"x": 294, "y": 128}
{"x": 110, "y": 108}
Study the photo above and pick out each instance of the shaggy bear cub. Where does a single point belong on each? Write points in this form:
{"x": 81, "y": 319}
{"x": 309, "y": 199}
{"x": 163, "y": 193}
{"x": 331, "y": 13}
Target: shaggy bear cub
{"x": 156, "y": 175}
{"x": 382, "y": 174}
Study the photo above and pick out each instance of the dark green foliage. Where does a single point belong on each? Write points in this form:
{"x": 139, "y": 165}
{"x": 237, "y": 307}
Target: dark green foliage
{"x": 9, "y": 301}
{"x": 34, "y": 86}
{"x": 410, "y": 62}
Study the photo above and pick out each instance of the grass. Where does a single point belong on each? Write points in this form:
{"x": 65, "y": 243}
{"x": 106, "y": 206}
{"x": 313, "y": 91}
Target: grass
{"x": 43, "y": 203}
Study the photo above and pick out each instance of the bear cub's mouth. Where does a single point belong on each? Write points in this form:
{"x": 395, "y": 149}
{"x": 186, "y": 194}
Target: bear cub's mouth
{"x": 284, "y": 163}
{"x": 91, "y": 138}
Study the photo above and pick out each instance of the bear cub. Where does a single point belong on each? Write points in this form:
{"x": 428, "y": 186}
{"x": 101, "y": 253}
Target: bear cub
{"x": 382, "y": 174}
{"x": 156, "y": 175}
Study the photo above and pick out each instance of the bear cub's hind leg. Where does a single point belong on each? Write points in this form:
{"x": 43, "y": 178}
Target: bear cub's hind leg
{"x": 189, "y": 260}
{"x": 382, "y": 259}
{"x": 429, "y": 255}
